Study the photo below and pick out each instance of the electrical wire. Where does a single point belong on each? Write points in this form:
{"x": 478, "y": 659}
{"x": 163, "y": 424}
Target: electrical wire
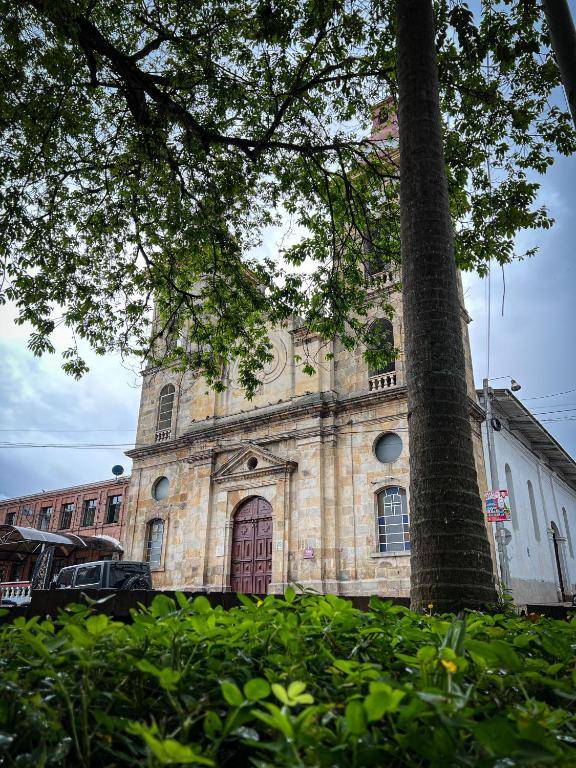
{"x": 66, "y": 431}
{"x": 552, "y": 394}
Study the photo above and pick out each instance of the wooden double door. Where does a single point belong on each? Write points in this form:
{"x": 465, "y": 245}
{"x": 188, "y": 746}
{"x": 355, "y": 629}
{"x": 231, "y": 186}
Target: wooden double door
{"x": 251, "y": 570}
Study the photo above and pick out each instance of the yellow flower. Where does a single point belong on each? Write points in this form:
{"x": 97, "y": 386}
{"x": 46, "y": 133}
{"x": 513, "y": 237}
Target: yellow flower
{"x": 450, "y": 666}
{"x": 430, "y": 605}
{"x": 258, "y": 603}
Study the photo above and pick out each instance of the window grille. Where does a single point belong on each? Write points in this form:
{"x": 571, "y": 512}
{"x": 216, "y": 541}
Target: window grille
{"x": 381, "y": 336}
{"x": 393, "y": 521}
{"x": 154, "y": 541}
{"x": 113, "y": 509}
{"x": 66, "y": 516}
{"x": 165, "y": 407}
{"x": 45, "y": 517}
{"x": 89, "y": 512}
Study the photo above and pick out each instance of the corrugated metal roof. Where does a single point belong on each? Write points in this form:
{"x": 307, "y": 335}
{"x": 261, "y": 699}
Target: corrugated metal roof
{"x": 17, "y": 537}
{"x": 541, "y": 441}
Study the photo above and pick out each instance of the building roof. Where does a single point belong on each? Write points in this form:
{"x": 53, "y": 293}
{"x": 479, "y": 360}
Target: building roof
{"x": 69, "y": 491}
{"x": 16, "y": 538}
{"x": 521, "y": 421}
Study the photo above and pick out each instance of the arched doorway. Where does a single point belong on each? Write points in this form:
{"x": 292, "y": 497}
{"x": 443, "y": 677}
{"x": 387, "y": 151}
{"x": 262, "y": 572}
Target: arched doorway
{"x": 558, "y": 557}
{"x": 251, "y": 570}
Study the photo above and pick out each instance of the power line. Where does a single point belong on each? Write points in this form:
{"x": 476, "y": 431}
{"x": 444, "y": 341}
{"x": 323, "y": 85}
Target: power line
{"x": 553, "y": 394}
{"x": 49, "y": 429}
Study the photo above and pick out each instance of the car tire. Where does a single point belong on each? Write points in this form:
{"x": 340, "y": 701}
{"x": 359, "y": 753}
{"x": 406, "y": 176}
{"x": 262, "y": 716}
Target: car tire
{"x": 136, "y": 582}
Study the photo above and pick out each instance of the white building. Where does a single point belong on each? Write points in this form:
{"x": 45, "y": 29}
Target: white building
{"x": 540, "y": 477}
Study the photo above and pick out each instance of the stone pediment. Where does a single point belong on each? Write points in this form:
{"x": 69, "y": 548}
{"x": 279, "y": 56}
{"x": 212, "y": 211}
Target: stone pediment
{"x": 253, "y": 461}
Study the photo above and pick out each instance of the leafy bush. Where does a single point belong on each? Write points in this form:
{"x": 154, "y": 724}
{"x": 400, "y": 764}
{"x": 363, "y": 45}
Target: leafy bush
{"x": 305, "y": 681}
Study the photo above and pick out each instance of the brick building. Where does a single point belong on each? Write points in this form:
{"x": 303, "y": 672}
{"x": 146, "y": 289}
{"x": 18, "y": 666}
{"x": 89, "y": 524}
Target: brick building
{"x": 94, "y": 509}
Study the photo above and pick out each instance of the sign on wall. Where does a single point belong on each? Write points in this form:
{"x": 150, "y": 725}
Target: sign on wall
{"x": 497, "y": 505}
{"x": 308, "y": 553}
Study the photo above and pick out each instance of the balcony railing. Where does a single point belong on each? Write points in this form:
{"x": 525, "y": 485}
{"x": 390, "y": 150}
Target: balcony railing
{"x": 14, "y": 589}
{"x": 162, "y": 435}
{"x": 382, "y": 381}
{"x": 383, "y": 279}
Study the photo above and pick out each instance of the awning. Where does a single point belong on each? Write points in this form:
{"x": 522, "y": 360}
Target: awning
{"x": 15, "y": 539}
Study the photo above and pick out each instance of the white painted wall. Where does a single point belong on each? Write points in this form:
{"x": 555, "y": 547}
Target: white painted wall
{"x": 533, "y": 568}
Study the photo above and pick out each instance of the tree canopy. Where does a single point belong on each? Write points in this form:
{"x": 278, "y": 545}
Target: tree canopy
{"x": 149, "y": 145}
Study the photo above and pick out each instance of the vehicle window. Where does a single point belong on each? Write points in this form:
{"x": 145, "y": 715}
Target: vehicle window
{"x": 88, "y": 575}
{"x": 65, "y": 578}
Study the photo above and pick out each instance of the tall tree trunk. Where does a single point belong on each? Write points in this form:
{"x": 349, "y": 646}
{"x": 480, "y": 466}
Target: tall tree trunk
{"x": 451, "y": 561}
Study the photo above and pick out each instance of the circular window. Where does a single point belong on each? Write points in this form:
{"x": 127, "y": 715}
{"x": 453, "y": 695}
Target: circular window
{"x": 252, "y": 462}
{"x": 160, "y": 488}
{"x": 388, "y": 447}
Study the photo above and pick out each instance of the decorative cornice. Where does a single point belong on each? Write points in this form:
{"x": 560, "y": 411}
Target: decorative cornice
{"x": 303, "y": 335}
{"x": 200, "y": 457}
{"x": 320, "y": 405}
{"x": 248, "y": 474}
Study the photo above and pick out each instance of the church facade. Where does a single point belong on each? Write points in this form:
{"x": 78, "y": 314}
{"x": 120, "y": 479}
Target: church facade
{"x": 305, "y": 484}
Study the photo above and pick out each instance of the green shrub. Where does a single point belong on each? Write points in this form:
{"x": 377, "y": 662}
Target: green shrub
{"x": 305, "y": 681}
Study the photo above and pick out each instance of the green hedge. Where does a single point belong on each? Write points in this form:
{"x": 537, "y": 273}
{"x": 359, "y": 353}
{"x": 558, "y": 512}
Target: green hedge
{"x": 301, "y": 681}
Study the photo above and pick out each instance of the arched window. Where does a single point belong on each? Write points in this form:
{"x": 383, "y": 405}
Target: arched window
{"x": 534, "y": 511}
{"x": 393, "y": 521}
{"x": 154, "y": 541}
{"x": 381, "y": 336}
{"x": 511, "y": 496}
{"x": 165, "y": 407}
{"x": 568, "y": 532}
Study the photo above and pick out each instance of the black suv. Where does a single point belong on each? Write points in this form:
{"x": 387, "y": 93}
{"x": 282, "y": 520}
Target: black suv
{"x": 104, "y": 574}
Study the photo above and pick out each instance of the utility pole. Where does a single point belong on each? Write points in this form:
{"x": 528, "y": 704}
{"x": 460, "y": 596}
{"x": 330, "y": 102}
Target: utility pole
{"x": 563, "y": 39}
{"x": 495, "y": 487}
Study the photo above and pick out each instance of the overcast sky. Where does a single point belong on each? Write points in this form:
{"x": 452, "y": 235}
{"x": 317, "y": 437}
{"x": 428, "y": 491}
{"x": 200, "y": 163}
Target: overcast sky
{"x": 533, "y": 342}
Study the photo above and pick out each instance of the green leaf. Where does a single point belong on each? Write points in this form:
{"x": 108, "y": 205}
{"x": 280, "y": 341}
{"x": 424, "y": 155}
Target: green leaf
{"x": 146, "y": 666}
{"x": 426, "y": 653}
{"x": 281, "y": 694}
{"x": 182, "y": 601}
{"x": 231, "y": 693}
{"x": 201, "y": 604}
{"x": 168, "y": 751}
{"x": 276, "y": 719}
{"x": 162, "y": 606}
{"x": 497, "y": 736}
{"x": 296, "y": 688}
{"x": 381, "y": 700}
{"x": 355, "y": 718}
{"x": 256, "y": 689}
{"x": 289, "y": 595}
{"x": 97, "y": 624}
{"x": 212, "y": 724}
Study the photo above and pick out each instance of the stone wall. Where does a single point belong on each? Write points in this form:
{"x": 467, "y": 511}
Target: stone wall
{"x": 312, "y": 438}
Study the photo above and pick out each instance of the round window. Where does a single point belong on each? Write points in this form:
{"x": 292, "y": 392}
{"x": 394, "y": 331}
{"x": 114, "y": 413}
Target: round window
{"x": 160, "y": 488}
{"x": 388, "y": 447}
{"x": 252, "y": 462}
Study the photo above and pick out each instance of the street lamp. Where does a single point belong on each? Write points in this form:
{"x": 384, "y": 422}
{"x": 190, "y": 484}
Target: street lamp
{"x": 494, "y": 481}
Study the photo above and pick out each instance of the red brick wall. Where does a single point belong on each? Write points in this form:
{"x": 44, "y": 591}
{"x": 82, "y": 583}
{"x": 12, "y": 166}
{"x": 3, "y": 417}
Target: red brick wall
{"x": 100, "y": 491}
